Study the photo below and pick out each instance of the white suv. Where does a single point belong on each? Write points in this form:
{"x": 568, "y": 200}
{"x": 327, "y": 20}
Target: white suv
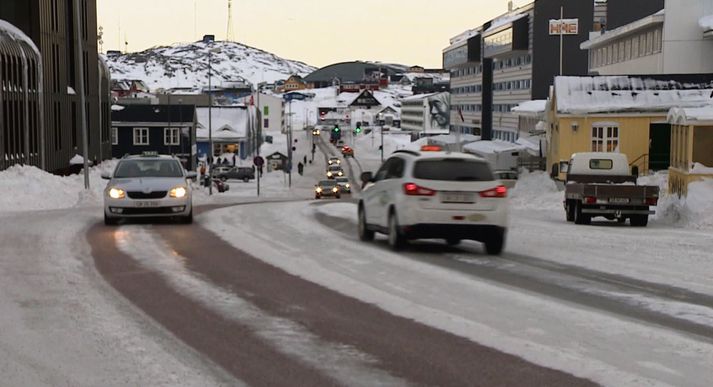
{"x": 434, "y": 194}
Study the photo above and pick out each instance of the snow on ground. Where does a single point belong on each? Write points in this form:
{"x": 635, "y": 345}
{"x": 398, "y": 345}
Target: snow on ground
{"x": 575, "y": 339}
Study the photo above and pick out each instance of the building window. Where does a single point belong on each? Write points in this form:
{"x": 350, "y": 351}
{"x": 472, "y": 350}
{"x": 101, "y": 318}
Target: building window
{"x": 627, "y": 50}
{"x": 114, "y": 136}
{"x": 642, "y": 45}
{"x": 635, "y": 47}
{"x": 266, "y": 110}
{"x": 141, "y": 136}
{"x": 657, "y": 40}
{"x": 605, "y": 138}
{"x": 266, "y": 123}
{"x": 170, "y": 136}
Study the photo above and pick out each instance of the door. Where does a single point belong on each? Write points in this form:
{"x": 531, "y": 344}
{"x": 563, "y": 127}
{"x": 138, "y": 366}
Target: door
{"x": 659, "y": 146}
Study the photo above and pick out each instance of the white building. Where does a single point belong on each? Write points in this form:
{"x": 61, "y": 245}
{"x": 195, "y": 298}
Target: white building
{"x": 675, "y": 40}
{"x": 272, "y": 112}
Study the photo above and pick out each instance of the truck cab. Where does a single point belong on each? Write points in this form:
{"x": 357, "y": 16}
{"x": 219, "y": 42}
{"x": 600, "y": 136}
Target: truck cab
{"x": 600, "y": 184}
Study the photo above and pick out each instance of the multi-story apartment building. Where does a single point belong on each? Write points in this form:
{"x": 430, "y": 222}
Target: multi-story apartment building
{"x": 48, "y": 110}
{"x": 425, "y": 114}
{"x": 511, "y": 59}
{"x": 657, "y": 38}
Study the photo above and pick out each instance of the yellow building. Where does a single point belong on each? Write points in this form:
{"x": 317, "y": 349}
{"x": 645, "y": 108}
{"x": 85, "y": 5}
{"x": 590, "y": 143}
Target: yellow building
{"x": 691, "y": 147}
{"x": 616, "y": 114}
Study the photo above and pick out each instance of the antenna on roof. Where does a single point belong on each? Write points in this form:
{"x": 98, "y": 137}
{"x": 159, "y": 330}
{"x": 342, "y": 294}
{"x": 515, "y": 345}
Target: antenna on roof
{"x": 230, "y": 35}
{"x": 510, "y": 6}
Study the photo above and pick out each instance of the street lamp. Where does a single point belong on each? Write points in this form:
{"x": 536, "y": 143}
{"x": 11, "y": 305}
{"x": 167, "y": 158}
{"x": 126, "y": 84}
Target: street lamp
{"x": 210, "y": 119}
{"x": 380, "y": 117}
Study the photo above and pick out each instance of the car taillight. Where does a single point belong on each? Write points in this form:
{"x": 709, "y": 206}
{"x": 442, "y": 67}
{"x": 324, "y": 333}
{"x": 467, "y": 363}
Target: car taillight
{"x": 590, "y": 200}
{"x": 652, "y": 201}
{"x": 498, "y": 192}
{"x": 416, "y": 190}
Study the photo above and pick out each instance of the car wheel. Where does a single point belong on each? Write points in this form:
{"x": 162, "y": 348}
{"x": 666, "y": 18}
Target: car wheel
{"x": 109, "y": 221}
{"x": 569, "y": 209}
{"x": 495, "y": 242}
{"x": 580, "y": 218}
{"x": 453, "y": 241}
{"x": 188, "y": 219}
{"x": 397, "y": 241}
{"x": 639, "y": 220}
{"x": 338, "y": 196}
{"x": 621, "y": 220}
{"x": 246, "y": 179}
{"x": 365, "y": 234}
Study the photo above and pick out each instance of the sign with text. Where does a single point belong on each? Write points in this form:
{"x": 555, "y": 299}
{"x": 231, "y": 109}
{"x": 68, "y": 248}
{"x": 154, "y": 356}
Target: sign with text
{"x": 564, "y": 26}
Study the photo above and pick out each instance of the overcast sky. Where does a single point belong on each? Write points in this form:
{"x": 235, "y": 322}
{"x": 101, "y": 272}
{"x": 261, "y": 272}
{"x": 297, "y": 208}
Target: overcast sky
{"x": 317, "y": 32}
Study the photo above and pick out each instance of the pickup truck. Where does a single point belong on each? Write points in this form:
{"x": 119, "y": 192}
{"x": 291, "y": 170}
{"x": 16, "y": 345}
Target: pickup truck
{"x": 599, "y": 184}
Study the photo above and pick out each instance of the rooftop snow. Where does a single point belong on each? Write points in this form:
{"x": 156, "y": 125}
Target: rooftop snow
{"x": 504, "y": 20}
{"x": 226, "y": 122}
{"x": 491, "y": 147}
{"x": 609, "y": 94}
{"x": 534, "y": 106}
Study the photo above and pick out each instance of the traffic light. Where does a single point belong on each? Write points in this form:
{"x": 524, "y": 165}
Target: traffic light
{"x": 357, "y": 130}
{"x": 336, "y": 129}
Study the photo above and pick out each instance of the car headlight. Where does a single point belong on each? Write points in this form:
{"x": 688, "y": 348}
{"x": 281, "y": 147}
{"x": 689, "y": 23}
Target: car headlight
{"x": 116, "y": 193}
{"x": 340, "y": 174}
{"x": 335, "y": 189}
{"x": 339, "y": 162}
{"x": 347, "y": 185}
{"x": 329, "y": 174}
{"x": 178, "y": 192}
{"x": 318, "y": 189}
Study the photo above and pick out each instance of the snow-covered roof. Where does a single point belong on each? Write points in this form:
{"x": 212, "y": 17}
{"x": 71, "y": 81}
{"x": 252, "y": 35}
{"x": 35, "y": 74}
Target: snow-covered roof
{"x": 504, "y": 20}
{"x": 632, "y": 27}
{"x": 418, "y": 97}
{"x": 227, "y": 122}
{"x": 612, "y": 94}
{"x": 688, "y": 116}
{"x": 492, "y": 147}
{"x": 533, "y": 107}
{"x": 15, "y": 33}
{"x": 451, "y": 139}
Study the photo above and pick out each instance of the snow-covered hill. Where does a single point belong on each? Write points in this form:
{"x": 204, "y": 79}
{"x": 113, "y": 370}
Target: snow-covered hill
{"x": 186, "y": 65}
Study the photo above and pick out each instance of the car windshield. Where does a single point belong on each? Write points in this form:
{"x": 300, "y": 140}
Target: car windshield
{"x": 342, "y": 180}
{"x": 148, "y": 168}
{"x": 327, "y": 183}
{"x": 452, "y": 169}
{"x": 335, "y": 168}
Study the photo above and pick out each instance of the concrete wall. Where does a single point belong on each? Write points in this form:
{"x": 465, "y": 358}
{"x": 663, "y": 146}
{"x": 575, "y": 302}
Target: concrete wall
{"x": 685, "y": 50}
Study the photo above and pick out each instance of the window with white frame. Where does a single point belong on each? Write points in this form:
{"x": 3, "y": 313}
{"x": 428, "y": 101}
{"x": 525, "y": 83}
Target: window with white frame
{"x": 141, "y": 136}
{"x": 114, "y": 136}
{"x": 605, "y": 137}
{"x": 171, "y": 136}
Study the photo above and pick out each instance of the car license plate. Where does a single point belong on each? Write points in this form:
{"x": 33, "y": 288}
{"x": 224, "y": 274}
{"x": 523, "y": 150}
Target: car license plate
{"x": 457, "y": 197}
{"x": 146, "y": 204}
{"x": 619, "y": 200}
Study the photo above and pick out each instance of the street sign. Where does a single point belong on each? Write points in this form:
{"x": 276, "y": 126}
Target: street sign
{"x": 258, "y": 161}
{"x": 564, "y": 26}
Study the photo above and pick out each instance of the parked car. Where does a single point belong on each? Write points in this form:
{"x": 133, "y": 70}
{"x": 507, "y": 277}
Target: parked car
{"x": 344, "y": 184}
{"x": 600, "y": 184}
{"x": 237, "y": 173}
{"x": 148, "y": 185}
{"x": 434, "y": 194}
{"x": 334, "y": 171}
{"x": 327, "y": 188}
{"x": 507, "y": 177}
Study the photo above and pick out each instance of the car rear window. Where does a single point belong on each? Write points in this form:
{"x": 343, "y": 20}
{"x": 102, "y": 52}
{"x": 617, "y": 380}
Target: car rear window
{"x": 601, "y": 164}
{"x": 452, "y": 169}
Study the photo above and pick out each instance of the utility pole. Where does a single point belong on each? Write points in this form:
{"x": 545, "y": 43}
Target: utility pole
{"x": 210, "y": 126}
{"x": 79, "y": 55}
{"x": 561, "y": 36}
{"x": 289, "y": 145}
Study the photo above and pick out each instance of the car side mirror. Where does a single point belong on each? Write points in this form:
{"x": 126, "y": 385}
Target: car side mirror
{"x": 106, "y": 175}
{"x": 191, "y": 175}
{"x": 367, "y": 177}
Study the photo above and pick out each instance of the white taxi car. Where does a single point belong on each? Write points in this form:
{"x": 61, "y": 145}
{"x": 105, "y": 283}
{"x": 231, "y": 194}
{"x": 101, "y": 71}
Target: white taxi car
{"x": 434, "y": 194}
{"x": 148, "y": 186}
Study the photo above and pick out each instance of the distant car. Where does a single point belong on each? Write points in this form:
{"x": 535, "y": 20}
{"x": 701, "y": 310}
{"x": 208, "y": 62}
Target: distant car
{"x": 434, "y": 194}
{"x": 148, "y": 185}
{"x": 334, "y": 171}
{"x": 315, "y": 132}
{"x": 508, "y": 178}
{"x": 339, "y": 143}
{"x": 344, "y": 184}
{"x": 334, "y": 161}
{"x": 327, "y": 188}
{"x": 347, "y": 151}
{"x": 238, "y": 173}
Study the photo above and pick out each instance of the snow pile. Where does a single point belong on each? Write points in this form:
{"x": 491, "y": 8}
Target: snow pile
{"x": 701, "y": 169}
{"x": 706, "y": 22}
{"x": 536, "y": 191}
{"x": 15, "y": 33}
{"x": 26, "y": 188}
{"x": 692, "y": 211}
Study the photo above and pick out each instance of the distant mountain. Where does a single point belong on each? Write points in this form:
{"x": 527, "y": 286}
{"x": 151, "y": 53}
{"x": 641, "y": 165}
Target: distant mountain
{"x": 186, "y": 65}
